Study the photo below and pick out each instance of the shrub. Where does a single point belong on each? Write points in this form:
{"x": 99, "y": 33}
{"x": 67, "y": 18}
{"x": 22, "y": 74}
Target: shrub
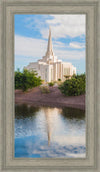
{"x": 44, "y": 89}
{"x": 26, "y": 79}
{"x": 67, "y": 76}
{"x": 59, "y": 79}
{"x": 51, "y": 84}
{"x": 74, "y": 86}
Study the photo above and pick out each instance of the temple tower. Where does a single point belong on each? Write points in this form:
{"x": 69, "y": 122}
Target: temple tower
{"x": 49, "y": 47}
{"x": 50, "y": 68}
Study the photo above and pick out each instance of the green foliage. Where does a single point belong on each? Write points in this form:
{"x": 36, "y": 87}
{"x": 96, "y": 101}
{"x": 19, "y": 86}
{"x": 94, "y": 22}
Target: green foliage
{"x": 18, "y": 79}
{"x": 26, "y": 79}
{"x": 67, "y": 76}
{"x": 51, "y": 84}
{"x": 74, "y": 86}
{"x": 44, "y": 89}
{"x": 59, "y": 79}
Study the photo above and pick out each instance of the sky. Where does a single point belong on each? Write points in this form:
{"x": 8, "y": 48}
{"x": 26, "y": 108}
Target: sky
{"x": 68, "y": 38}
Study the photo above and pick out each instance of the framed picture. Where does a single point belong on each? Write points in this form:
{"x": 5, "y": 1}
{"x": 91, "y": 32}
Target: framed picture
{"x": 50, "y": 92}
{"x": 49, "y": 85}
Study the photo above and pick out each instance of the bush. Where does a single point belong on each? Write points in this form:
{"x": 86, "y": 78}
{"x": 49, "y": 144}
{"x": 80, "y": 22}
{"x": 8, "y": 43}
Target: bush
{"x": 51, "y": 84}
{"x": 26, "y": 79}
{"x": 67, "y": 76}
{"x": 74, "y": 86}
{"x": 59, "y": 79}
{"x": 44, "y": 89}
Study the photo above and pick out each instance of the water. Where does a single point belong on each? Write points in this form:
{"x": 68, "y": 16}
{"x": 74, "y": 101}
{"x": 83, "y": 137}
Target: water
{"x": 49, "y": 132}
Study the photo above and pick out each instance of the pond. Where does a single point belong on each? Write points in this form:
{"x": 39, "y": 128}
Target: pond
{"x": 42, "y": 132}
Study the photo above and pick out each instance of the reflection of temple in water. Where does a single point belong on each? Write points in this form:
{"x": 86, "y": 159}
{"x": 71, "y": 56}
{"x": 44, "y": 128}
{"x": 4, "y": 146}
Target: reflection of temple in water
{"x": 50, "y": 116}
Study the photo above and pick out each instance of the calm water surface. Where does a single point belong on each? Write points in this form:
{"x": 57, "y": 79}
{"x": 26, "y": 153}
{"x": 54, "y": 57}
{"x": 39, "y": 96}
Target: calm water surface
{"x": 49, "y": 132}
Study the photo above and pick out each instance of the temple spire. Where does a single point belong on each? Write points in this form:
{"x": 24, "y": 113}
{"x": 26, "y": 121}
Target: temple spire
{"x": 49, "y": 48}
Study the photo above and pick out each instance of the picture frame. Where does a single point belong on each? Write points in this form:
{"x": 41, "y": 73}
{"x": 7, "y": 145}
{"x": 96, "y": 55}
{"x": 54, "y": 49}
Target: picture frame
{"x": 91, "y": 8}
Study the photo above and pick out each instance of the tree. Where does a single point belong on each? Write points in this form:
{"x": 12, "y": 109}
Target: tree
{"x": 18, "y": 79}
{"x": 51, "y": 84}
{"x": 26, "y": 79}
{"x": 74, "y": 86}
{"x": 59, "y": 79}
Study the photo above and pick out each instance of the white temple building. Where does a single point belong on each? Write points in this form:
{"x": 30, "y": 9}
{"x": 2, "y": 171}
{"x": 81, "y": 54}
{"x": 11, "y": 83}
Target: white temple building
{"x": 49, "y": 68}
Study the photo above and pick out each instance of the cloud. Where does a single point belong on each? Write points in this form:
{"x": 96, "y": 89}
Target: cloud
{"x": 77, "y": 45}
{"x": 61, "y": 25}
{"x": 25, "y": 46}
{"x": 36, "y": 48}
{"x": 65, "y": 25}
{"x": 70, "y": 55}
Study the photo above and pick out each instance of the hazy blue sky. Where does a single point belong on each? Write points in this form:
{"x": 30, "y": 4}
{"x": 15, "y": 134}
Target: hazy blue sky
{"x": 68, "y": 37}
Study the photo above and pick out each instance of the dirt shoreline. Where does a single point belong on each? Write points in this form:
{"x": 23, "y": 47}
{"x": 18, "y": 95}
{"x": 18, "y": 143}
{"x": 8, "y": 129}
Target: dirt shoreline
{"x": 55, "y": 98}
